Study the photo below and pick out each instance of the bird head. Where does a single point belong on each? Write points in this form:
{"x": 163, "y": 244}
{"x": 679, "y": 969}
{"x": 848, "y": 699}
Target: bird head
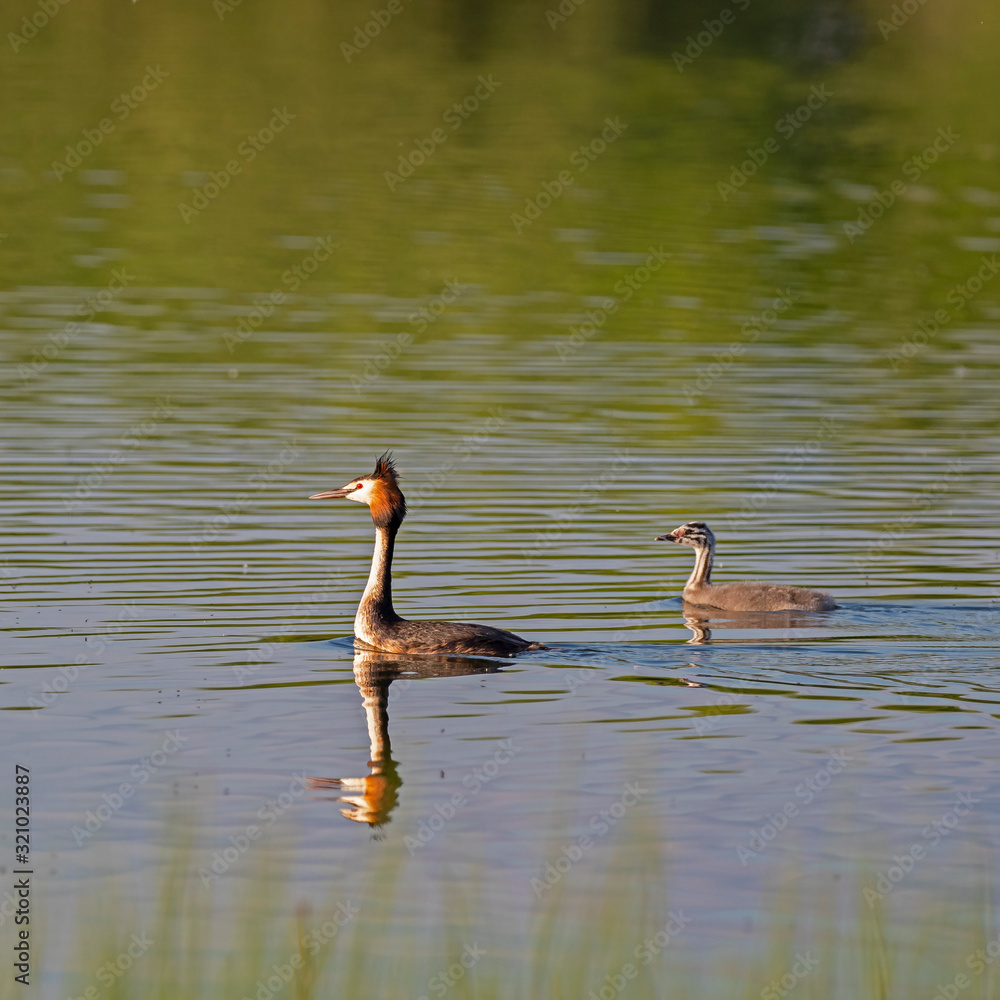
{"x": 697, "y": 534}
{"x": 380, "y": 491}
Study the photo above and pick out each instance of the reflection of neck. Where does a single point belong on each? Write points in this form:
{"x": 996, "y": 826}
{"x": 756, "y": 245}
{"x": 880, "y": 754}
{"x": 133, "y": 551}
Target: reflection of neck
{"x": 376, "y": 699}
{"x": 702, "y": 633}
{"x": 376, "y": 603}
{"x": 372, "y": 799}
{"x": 702, "y": 572}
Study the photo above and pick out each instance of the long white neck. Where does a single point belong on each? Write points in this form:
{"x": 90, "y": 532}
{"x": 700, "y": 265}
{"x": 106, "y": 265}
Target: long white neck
{"x": 376, "y": 602}
{"x": 702, "y": 572}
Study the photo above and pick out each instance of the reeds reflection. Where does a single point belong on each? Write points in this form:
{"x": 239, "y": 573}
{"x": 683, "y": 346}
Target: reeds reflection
{"x": 371, "y": 799}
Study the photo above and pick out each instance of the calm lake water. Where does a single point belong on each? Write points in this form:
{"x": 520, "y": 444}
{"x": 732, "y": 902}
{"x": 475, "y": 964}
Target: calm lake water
{"x": 649, "y": 349}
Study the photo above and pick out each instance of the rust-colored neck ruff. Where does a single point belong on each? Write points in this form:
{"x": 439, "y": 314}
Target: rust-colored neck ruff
{"x": 388, "y": 505}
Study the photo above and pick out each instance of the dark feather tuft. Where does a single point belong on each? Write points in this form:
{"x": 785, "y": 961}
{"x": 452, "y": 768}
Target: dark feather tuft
{"x": 385, "y": 468}
{"x": 388, "y": 504}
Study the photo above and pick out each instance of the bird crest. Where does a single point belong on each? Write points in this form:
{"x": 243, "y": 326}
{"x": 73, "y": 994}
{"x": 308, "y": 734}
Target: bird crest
{"x": 385, "y": 468}
{"x": 388, "y": 505}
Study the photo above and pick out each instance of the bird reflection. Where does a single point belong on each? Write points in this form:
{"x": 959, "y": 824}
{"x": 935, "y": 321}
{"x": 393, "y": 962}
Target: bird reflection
{"x": 371, "y": 799}
{"x": 697, "y": 619}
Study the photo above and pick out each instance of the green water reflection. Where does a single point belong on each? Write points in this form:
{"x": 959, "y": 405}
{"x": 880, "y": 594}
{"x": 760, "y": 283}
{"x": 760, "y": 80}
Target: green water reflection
{"x": 254, "y": 113}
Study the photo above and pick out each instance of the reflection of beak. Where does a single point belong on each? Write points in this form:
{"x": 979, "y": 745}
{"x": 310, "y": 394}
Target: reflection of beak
{"x": 331, "y": 494}
{"x": 672, "y": 537}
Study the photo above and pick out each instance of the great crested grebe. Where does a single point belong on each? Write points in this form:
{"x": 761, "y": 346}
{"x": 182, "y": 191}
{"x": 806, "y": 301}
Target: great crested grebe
{"x": 699, "y": 588}
{"x": 376, "y": 623}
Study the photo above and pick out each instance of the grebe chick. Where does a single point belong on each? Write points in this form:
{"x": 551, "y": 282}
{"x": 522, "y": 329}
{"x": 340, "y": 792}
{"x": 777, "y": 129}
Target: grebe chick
{"x": 737, "y": 596}
{"x": 376, "y": 623}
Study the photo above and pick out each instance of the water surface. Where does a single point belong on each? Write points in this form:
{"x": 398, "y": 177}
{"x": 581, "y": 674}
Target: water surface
{"x": 180, "y": 614}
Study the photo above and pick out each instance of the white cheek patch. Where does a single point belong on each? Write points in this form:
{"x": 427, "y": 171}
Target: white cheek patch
{"x": 362, "y": 494}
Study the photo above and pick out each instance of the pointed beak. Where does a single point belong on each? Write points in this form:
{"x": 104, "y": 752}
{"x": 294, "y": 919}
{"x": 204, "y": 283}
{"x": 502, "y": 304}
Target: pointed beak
{"x": 332, "y": 494}
{"x": 672, "y": 537}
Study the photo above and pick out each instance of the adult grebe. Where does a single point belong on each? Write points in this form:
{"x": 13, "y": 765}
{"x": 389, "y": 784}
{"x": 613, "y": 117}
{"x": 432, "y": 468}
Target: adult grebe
{"x": 737, "y": 596}
{"x": 376, "y": 623}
